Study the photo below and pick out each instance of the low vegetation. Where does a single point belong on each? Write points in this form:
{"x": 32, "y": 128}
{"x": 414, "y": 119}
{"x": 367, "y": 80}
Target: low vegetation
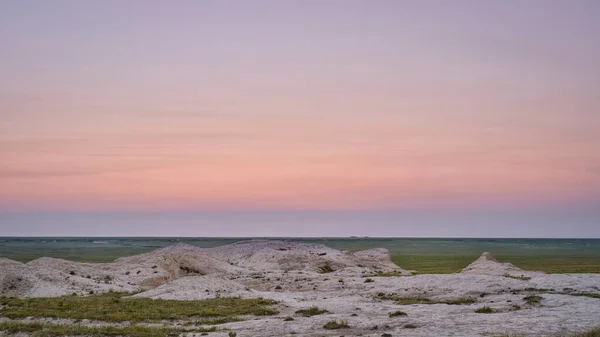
{"x": 334, "y": 325}
{"x": 585, "y": 294}
{"x": 114, "y": 307}
{"x": 423, "y": 300}
{"x": 397, "y": 313}
{"x": 36, "y": 329}
{"x": 485, "y": 310}
{"x": 522, "y": 278}
{"x": 533, "y": 299}
{"x": 389, "y": 274}
{"x": 548, "y": 263}
{"x": 591, "y": 333}
{"x": 461, "y": 300}
{"x": 414, "y": 300}
{"x": 325, "y": 269}
{"x": 311, "y": 311}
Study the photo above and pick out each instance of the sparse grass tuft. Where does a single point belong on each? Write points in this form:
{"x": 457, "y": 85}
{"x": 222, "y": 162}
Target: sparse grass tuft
{"x": 462, "y": 300}
{"x": 414, "y": 300}
{"x": 533, "y": 299}
{"x": 423, "y": 300}
{"x": 585, "y": 294}
{"x": 369, "y": 280}
{"x": 485, "y": 310}
{"x": 389, "y": 274}
{"x": 114, "y": 307}
{"x": 326, "y": 269}
{"x": 397, "y": 313}
{"x": 55, "y": 330}
{"x": 595, "y": 332}
{"x": 311, "y": 311}
{"x": 334, "y": 325}
{"x": 522, "y": 278}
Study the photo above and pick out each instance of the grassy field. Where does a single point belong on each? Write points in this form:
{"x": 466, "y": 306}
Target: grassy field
{"x": 115, "y": 307}
{"x": 110, "y": 308}
{"x": 445, "y": 264}
{"x": 425, "y": 256}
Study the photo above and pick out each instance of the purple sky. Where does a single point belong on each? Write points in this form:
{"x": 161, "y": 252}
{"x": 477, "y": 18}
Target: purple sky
{"x": 456, "y": 115}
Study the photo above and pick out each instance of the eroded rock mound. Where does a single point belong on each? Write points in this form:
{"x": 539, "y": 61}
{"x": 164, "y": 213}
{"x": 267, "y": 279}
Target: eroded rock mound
{"x": 197, "y": 288}
{"x": 486, "y": 264}
{"x": 241, "y": 260}
{"x": 269, "y": 255}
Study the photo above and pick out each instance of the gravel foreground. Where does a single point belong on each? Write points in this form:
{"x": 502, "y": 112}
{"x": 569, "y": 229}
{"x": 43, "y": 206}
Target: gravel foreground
{"x": 359, "y": 289}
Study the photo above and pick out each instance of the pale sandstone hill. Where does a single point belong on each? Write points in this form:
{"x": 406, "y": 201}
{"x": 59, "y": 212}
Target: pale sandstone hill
{"x": 486, "y": 264}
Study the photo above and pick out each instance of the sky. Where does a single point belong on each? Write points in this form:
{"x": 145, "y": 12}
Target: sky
{"x": 285, "y": 118}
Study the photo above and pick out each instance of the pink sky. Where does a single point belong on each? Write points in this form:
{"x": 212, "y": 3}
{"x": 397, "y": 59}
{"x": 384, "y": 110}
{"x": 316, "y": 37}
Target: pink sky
{"x": 216, "y": 106}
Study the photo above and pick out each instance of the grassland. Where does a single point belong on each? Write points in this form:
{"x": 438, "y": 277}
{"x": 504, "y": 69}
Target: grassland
{"x": 549, "y": 263}
{"x": 114, "y": 307}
